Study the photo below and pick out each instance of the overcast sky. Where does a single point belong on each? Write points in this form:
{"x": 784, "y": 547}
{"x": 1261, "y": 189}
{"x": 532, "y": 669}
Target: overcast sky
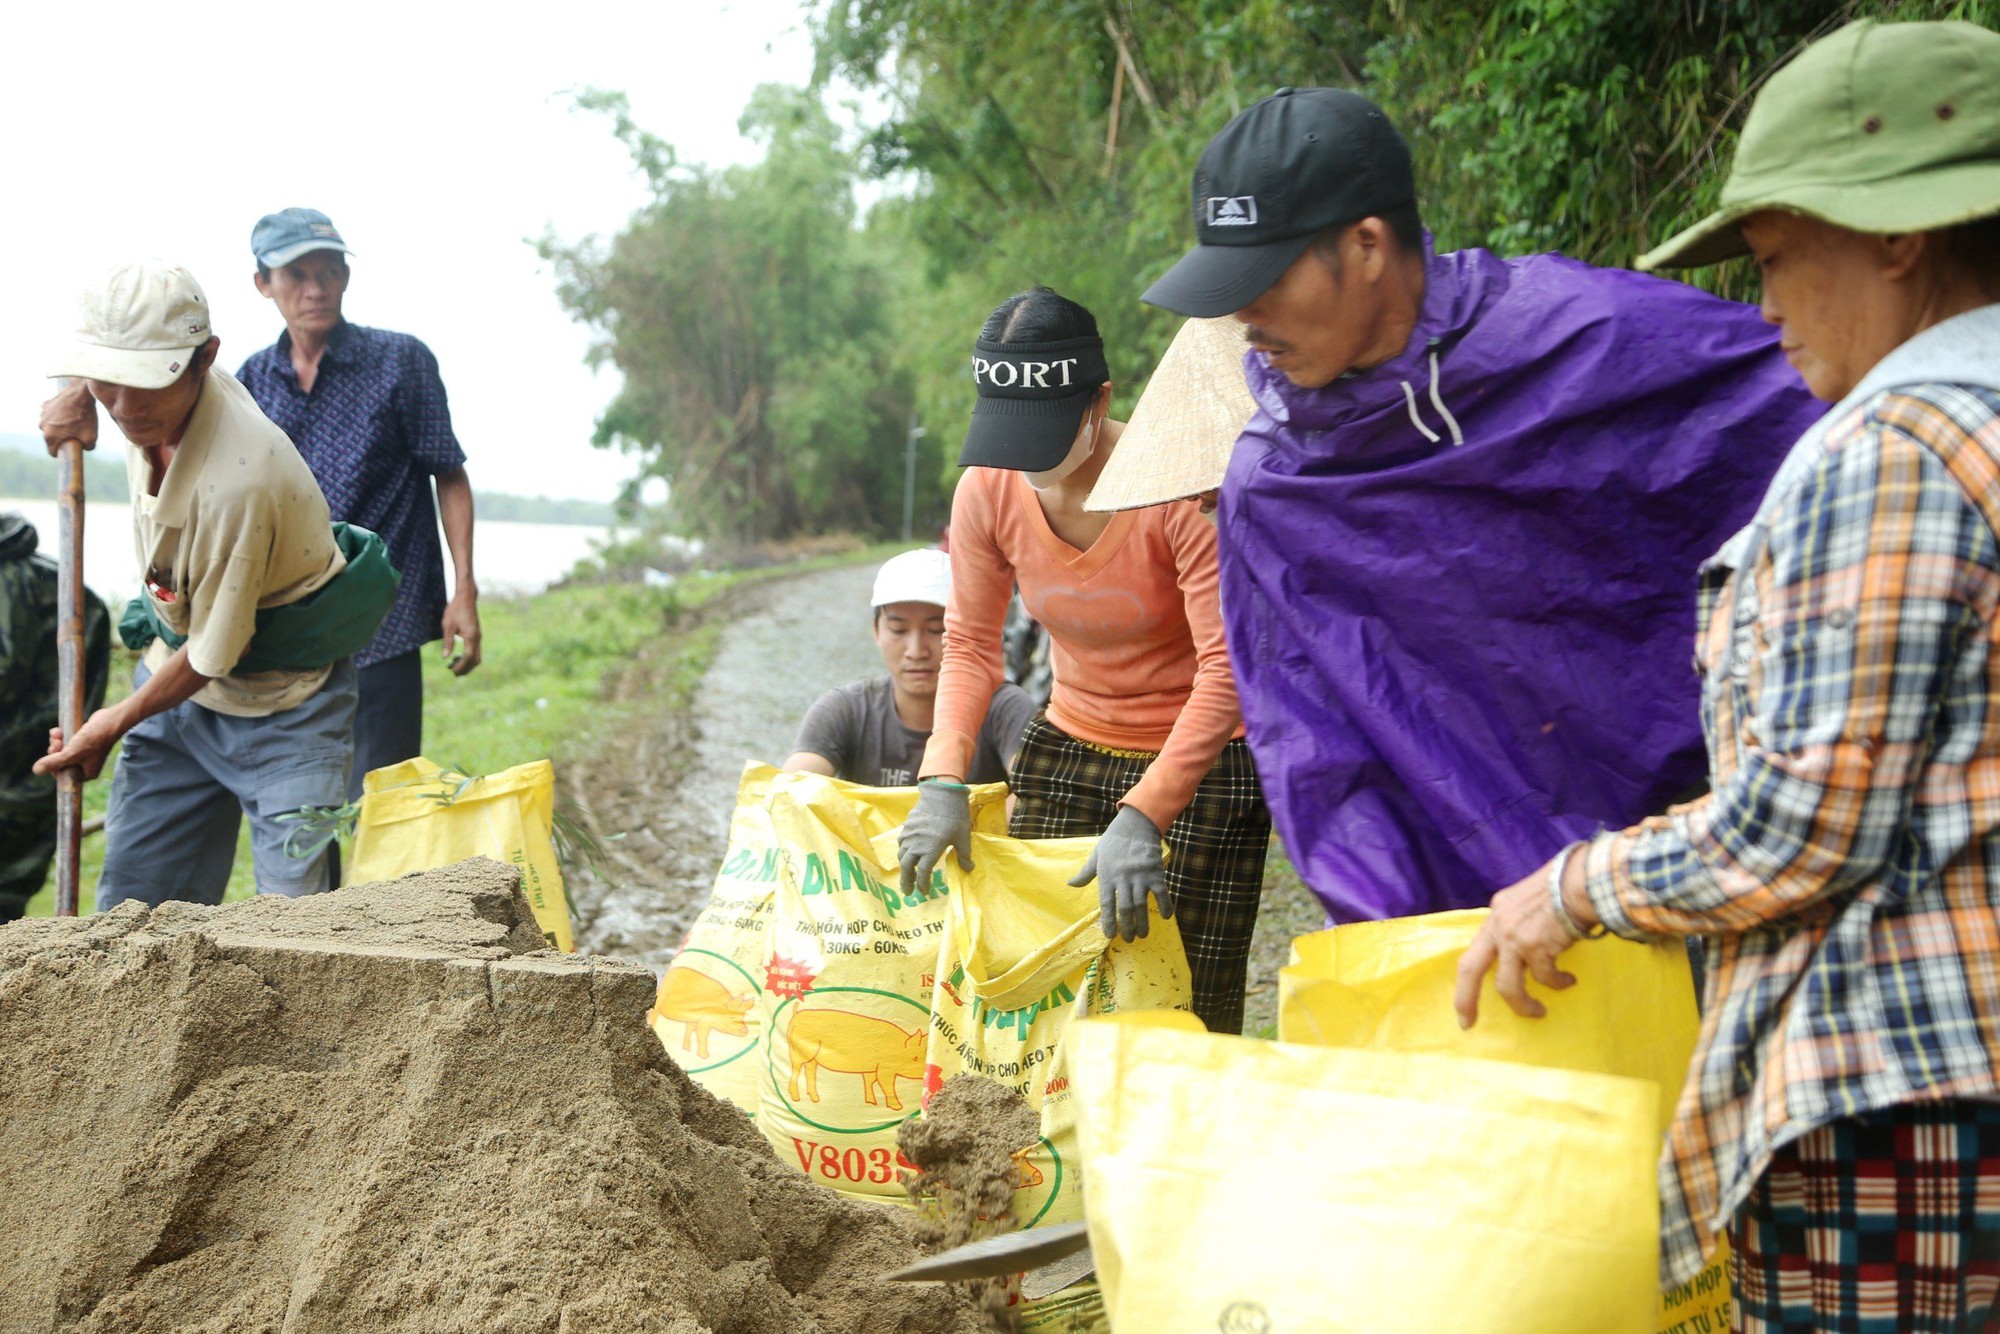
{"x": 436, "y": 136}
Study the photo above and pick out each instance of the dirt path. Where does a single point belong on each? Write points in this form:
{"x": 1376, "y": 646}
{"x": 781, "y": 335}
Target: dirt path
{"x": 669, "y": 790}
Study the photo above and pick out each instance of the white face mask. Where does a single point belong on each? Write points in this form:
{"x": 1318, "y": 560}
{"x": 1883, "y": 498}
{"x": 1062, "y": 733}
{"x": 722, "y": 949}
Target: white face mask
{"x": 1080, "y": 451}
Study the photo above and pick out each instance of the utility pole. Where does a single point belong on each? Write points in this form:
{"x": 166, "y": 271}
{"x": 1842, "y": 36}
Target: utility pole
{"x": 910, "y": 472}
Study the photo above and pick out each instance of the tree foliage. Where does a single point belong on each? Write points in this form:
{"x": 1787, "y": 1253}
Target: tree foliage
{"x": 747, "y": 315}
{"x": 1594, "y": 127}
{"x": 1055, "y": 140}
{"x": 772, "y": 344}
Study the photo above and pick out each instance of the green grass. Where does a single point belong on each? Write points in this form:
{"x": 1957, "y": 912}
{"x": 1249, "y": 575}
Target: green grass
{"x": 551, "y": 663}
{"x": 544, "y": 688}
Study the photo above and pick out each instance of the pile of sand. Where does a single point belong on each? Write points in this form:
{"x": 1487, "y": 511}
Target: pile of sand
{"x": 380, "y": 1110}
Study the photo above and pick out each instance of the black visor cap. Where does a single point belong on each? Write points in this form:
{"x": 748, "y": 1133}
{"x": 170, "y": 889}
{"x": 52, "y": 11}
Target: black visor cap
{"x": 1023, "y": 434}
{"x": 1032, "y": 397}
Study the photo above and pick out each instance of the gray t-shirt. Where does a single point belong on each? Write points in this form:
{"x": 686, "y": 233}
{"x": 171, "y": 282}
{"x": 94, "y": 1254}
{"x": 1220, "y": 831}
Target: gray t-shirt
{"x": 855, "y": 729}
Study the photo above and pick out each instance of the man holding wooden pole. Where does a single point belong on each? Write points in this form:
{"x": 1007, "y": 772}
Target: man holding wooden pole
{"x": 251, "y": 609}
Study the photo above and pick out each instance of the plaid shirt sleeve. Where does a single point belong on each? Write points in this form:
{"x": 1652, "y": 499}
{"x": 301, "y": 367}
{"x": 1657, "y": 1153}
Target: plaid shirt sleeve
{"x": 1878, "y": 573}
{"x": 424, "y": 413}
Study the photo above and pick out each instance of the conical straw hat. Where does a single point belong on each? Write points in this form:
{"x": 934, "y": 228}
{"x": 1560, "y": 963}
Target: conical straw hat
{"x": 1177, "y": 443}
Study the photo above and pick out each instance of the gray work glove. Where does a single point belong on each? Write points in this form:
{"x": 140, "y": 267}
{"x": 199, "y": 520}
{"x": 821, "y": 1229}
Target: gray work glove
{"x": 1127, "y": 864}
{"x": 942, "y": 819}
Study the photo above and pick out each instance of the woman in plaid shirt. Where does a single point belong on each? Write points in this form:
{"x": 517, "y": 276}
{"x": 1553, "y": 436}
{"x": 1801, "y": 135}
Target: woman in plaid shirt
{"x": 1841, "y": 1121}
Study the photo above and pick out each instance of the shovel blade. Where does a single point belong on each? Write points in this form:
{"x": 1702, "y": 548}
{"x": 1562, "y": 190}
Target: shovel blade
{"x": 995, "y": 1256}
{"x": 1053, "y": 1277}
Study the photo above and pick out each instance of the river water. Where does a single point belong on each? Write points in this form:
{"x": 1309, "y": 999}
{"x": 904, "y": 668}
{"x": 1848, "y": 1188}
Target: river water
{"x": 509, "y": 558}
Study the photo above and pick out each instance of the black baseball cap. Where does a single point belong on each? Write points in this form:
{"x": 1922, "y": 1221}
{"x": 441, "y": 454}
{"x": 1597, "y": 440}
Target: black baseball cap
{"x": 1298, "y": 162}
{"x": 1032, "y": 397}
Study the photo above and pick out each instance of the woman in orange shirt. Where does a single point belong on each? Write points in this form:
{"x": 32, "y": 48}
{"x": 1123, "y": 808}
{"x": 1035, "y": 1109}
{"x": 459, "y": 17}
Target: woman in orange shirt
{"x": 1142, "y": 741}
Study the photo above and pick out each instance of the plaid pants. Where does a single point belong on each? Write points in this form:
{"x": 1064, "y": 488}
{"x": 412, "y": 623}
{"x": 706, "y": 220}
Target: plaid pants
{"x": 1066, "y": 788}
{"x": 1882, "y": 1224}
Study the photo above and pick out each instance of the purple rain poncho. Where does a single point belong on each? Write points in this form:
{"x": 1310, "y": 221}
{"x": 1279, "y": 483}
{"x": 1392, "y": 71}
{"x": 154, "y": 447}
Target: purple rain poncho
{"x": 1456, "y": 658}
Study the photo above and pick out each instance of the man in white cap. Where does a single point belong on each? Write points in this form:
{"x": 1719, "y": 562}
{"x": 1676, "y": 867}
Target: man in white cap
{"x": 874, "y": 731}
{"x": 252, "y": 606}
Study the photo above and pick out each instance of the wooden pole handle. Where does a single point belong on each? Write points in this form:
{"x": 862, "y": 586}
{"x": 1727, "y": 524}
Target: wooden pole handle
{"x": 69, "y": 670}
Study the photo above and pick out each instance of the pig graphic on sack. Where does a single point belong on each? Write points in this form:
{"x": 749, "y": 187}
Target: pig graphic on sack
{"x": 703, "y": 1005}
{"x": 856, "y": 1044}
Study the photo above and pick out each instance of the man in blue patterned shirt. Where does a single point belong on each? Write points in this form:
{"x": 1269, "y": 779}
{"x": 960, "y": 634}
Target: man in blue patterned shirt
{"x": 367, "y": 410}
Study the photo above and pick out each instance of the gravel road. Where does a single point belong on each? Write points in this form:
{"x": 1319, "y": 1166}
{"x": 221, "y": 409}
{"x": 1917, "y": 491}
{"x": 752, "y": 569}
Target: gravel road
{"x": 782, "y": 645}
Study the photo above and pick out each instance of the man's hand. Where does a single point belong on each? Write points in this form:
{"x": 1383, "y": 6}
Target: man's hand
{"x": 461, "y": 623}
{"x": 175, "y": 683}
{"x": 1128, "y": 863}
{"x": 1522, "y": 936}
{"x": 461, "y": 615}
{"x": 70, "y": 415}
{"x": 88, "y": 749}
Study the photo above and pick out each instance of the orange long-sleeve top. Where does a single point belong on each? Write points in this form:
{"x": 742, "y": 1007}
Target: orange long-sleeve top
{"x": 1135, "y": 630}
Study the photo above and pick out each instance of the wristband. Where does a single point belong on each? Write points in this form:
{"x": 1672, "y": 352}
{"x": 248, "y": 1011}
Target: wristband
{"x": 944, "y": 783}
{"x": 1556, "y": 869}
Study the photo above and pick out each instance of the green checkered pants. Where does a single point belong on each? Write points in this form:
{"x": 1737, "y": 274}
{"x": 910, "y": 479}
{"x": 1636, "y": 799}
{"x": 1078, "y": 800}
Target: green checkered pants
{"x": 1066, "y": 788}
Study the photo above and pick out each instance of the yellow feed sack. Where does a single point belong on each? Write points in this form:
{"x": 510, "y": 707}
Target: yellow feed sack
{"x": 847, "y": 980}
{"x": 706, "y": 1013}
{"x": 1244, "y": 1185}
{"x": 1387, "y": 986}
{"x": 1023, "y": 958}
{"x": 417, "y": 817}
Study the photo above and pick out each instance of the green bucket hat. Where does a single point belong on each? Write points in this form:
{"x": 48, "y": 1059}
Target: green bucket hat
{"x": 1880, "y": 127}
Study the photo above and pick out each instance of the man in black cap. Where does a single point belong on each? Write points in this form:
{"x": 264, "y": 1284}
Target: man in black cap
{"x": 1459, "y": 537}
{"x": 1320, "y": 169}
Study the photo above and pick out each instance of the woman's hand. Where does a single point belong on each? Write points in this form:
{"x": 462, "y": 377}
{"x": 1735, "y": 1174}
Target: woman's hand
{"x": 1127, "y": 864}
{"x": 1522, "y": 936}
{"x": 941, "y": 819}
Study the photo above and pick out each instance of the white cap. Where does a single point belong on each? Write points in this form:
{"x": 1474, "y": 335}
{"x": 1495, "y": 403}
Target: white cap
{"x": 914, "y": 576}
{"x": 139, "y": 326}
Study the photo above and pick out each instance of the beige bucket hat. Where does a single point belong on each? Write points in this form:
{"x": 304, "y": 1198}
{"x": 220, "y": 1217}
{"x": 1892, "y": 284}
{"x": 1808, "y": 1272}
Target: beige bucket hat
{"x": 1178, "y": 440}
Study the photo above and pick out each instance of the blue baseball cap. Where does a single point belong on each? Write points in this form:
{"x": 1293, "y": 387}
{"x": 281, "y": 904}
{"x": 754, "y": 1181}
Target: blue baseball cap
{"x": 279, "y": 238}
